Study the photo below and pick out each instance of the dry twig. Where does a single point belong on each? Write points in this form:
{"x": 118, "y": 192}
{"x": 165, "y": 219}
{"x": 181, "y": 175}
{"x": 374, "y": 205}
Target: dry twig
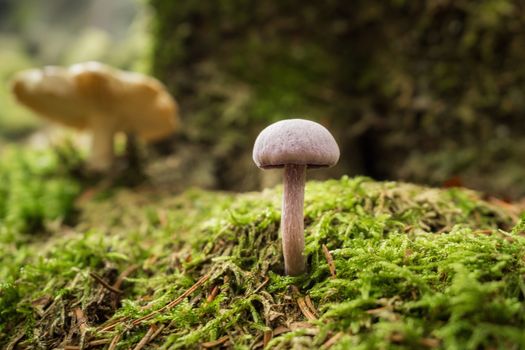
{"x": 214, "y": 292}
{"x": 329, "y": 260}
{"x": 268, "y": 335}
{"x": 82, "y": 325}
{"x": 123, "y": 275}
{"x": 147, "y": 337}
{"x": 332, "y": 341}
{"x": 214, "y": 343}
{"x": 174, "y": 302}
{"x": 305, "y": 309}
{"x": 105, "y": 284}
{"x": 114, "y": 341}
{"x": 261, "y": 286}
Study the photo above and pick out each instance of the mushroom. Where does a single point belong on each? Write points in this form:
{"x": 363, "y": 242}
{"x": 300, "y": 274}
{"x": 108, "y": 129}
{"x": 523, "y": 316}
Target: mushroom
{"x": 105, "y": 100}
{"x": 294, "y": 144}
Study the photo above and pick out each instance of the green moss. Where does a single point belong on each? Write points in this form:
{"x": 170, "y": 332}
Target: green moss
{"x": 37, "y": 195}
{"x": 34, "y": 188}
{"x": 414, "y": 267}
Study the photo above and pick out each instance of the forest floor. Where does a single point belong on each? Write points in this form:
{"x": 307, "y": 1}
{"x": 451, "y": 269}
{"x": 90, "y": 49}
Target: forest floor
{"x": 391, "y": 266}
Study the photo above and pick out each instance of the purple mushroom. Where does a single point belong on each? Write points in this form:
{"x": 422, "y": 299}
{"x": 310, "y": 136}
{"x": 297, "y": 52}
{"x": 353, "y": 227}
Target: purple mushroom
{"x": 294, "y": 144}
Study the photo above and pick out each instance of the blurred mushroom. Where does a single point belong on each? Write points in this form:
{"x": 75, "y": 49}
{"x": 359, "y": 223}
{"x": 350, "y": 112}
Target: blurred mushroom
{"x": 294, "y": 144}
{"x": 105, "y": 100}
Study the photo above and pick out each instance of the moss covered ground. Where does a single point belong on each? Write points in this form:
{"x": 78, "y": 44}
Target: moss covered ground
{"x": 391, "y": 266}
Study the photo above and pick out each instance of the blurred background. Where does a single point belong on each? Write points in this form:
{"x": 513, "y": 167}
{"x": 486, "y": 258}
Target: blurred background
{"x": 430, "y": 92}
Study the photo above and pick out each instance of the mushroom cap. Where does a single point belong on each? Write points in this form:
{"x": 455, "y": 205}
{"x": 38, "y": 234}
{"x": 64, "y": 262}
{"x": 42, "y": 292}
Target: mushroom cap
{"x": 50, "y": 92}
{"x": 295, "y": 141}
{"x": 91, "y": 93}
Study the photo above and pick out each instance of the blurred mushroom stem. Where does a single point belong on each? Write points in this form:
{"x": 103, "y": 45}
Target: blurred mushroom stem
{"x": 102, "y": 152}
{"x": 292, "y": 220}
{"x": 132, "y": 151}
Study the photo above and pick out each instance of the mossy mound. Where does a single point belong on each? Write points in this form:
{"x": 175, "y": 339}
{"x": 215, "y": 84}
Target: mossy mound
{"x": 392, "y": 265}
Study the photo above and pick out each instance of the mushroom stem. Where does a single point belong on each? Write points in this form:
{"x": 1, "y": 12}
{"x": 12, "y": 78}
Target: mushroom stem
{"x": 132, "y": 151}
{"x": 292, "y": 220}
{"x": 102, "y": 153}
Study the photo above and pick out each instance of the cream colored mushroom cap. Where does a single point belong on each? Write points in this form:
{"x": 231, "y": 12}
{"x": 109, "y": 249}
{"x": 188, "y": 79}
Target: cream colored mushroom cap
{"x": 92, "y": 93}
{"x": 295, "y": 141}
{"x": 137, "y": 103}
{"x": 51, "y": 93}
